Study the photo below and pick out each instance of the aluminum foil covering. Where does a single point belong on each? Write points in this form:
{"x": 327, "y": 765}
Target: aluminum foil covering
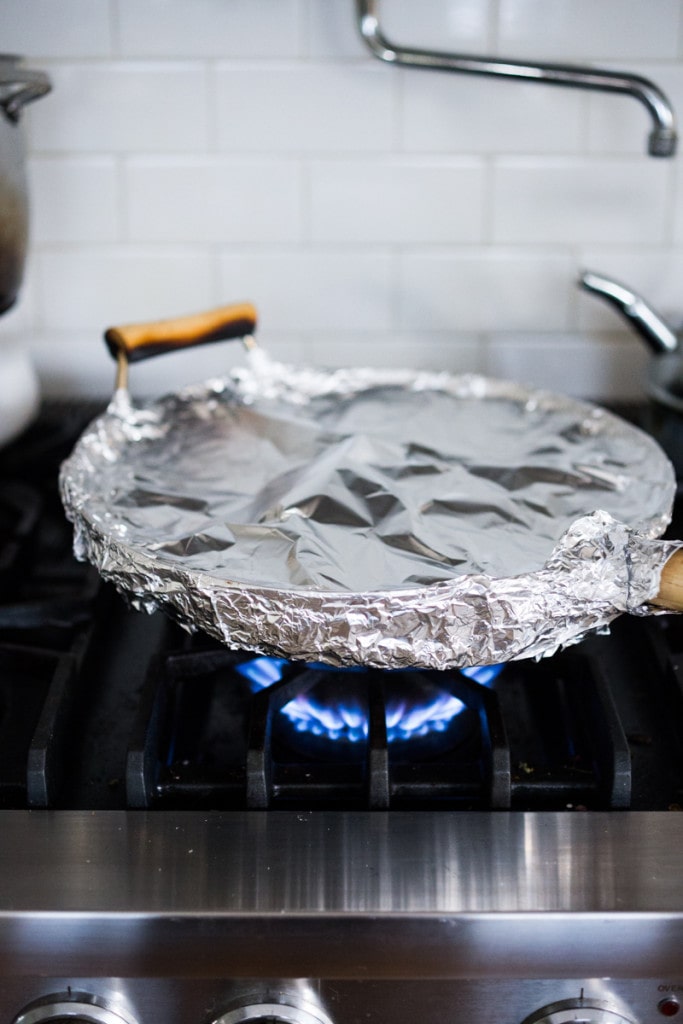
{"x": 374, "y": 517}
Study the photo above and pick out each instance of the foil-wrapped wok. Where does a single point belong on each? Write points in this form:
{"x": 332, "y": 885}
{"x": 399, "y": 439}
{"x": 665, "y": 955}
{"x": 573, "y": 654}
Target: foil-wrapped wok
{"x": 386, "y": 518}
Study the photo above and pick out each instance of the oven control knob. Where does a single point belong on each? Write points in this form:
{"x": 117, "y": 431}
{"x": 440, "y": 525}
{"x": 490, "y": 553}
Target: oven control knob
{"x": 578, "y": 1011}
{"x": 277, "y": 1013}
{"x": 71, "y": 1008}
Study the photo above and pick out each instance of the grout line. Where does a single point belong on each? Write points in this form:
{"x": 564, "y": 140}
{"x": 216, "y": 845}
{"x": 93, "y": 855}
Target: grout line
{"x": 494, "y": 25}
{"x": 303, "y": 29}
{"x": 673, "y": 189}
{"x": 490, "y": 171}
{"x": 115, "y": 30}
{"x": 211, "y": 107}
{"x": 122, "y": 203}
{"x": 306, "y": 200}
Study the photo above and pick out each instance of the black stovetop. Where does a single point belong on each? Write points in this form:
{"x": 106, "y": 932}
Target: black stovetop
{"x": 103, "y": 707}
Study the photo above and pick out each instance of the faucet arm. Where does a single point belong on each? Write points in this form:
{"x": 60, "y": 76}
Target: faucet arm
{"x": 662, "y": 139}
{"x": 634, "y": 309}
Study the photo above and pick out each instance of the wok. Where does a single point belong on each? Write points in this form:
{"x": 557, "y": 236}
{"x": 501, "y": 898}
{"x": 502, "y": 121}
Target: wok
{"x": 383, "y": 518}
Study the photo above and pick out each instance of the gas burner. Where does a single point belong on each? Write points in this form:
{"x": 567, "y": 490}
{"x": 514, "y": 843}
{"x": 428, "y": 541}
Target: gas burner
{"x": 332, "y": 713}
{"x": 102, "y": 708}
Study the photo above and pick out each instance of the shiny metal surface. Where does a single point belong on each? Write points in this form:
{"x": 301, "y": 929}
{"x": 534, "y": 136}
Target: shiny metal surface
{"x": 641, "y": 317}
{"x": 662, "y": 140}
{"x": 81, "y": 1008}
{"x": 347, "y": 1001}
{"x": 344, "y": 895}
{"x": 585, "y": 1009}
{"x": 282, "y": 1012}
{"x": 384, "y": 518}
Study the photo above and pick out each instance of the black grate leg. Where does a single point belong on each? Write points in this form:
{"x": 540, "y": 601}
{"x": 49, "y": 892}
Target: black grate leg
{"x": 378, "y": 749}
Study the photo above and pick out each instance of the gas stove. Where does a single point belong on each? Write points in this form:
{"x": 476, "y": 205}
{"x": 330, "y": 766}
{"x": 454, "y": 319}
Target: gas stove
{"x": 195, "y": 834}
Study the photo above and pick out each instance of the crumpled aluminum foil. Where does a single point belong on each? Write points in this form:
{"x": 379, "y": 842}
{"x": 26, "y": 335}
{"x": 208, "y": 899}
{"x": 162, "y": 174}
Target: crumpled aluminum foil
{"x": 374, "y": 517}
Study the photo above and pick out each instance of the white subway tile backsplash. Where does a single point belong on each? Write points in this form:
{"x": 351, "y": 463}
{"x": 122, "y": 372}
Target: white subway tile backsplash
{"x": 490, "y": 290}
{"x": 677, "y": 211}
{"x": 331, "y": 31}
{"x": 71, "y": 362}
{"x": 314, "y": 290}
{"x": 122, "y": 107}
{"x": 594, "y": 367}
{"x": 453, "y": 353}
{"x": 572, "y": 201}
{"x": 213, "y": 199}
{"x": 448, "y": 25}
{"x": 94, "y": 288}
{"x": 459, "y": 113}
{"x": 308, "y": 108}
{"x": 589, "y": 29}
{"x": 68, "y": 29}
{"x": 193, "y": 153}
{"x": 209, "y": 28}
{"x": 74, "y": 199}
{"x": 401, "y": 200}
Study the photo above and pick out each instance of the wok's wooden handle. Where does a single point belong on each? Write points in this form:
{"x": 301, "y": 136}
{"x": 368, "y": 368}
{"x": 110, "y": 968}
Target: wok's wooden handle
{"x": 142, "y": 341}
{"x": 670, "y": 594}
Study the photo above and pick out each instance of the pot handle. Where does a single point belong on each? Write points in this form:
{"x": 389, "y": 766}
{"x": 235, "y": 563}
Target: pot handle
{"x": 670, "y": 594}
{"x": 131, "y": 343}
{"x": 21, "y": 87}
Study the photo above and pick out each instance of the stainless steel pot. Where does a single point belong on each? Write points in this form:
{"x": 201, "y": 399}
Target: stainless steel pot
{"x": 664, "y": 384}
{"x": 18, "y": 86}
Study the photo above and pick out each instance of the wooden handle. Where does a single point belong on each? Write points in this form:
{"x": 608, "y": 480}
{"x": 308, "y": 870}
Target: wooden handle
{"x": 142, "y": 341}
{"x": 670, "y": 594}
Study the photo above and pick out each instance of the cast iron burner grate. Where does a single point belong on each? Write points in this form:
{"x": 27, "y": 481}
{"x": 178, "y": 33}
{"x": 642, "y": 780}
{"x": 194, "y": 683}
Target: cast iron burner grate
{"x": 101, "y": 707}
{"x": 554, "y": 735}
{"x": 205, "y": 735}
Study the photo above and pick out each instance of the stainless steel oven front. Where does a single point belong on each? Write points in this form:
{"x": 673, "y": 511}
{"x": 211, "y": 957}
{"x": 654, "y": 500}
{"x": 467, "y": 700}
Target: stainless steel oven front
{"x": 341, "y": 917}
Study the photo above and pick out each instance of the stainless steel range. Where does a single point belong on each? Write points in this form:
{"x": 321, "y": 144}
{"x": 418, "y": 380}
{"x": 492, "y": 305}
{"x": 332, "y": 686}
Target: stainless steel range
{"x": 193, "y": 834}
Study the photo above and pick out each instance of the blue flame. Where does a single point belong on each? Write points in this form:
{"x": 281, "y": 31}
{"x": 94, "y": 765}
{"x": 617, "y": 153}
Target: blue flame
{"x": 484, "y": 674}
{"x": 348, "y": 720}
{"x": 343, "y": 721}
{"x": 262, "y": 672}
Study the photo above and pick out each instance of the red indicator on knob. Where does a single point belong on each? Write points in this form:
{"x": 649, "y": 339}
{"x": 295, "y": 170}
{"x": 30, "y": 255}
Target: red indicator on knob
{"x": 669, "y": 1007}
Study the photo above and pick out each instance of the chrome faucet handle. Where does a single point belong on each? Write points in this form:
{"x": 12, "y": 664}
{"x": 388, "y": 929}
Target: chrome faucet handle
{"x": 645, "y": 320}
